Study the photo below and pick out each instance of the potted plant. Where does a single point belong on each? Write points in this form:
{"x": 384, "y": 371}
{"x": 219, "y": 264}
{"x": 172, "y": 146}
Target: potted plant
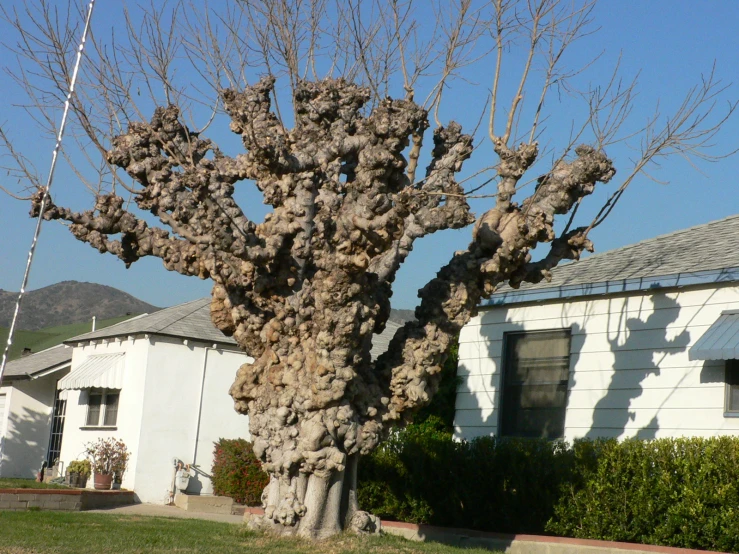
{"x": 79, "y": 471}
{"x": 109, "y": 458}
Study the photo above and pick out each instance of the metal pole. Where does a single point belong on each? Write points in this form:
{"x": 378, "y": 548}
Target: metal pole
{"x": 49, "y": 180}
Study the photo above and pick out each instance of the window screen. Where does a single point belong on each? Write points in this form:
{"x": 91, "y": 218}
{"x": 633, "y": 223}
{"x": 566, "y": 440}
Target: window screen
{"x": 94, "y": 404}
{"x": 111, "y": 408}
{"x": 535, "y": 377}
{"x": 732, "y": 386}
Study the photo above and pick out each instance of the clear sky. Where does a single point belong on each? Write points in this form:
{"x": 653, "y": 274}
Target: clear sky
{"x": 670, "y": 41}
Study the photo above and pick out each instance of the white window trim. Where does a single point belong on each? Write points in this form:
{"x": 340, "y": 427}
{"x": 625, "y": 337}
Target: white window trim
{"x": 729, "y": 366}
{"x": 103, "y": 409}
{"x": 4, "y": 415}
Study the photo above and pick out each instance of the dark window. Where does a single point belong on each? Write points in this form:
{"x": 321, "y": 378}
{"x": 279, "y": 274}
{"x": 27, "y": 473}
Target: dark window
{"x": 111, "y": 408}
{"x": 94, "y": 405}
{"x": 535, "y": 377}
{"x": 732, "y": 386}
{"x": 102, "y": 408}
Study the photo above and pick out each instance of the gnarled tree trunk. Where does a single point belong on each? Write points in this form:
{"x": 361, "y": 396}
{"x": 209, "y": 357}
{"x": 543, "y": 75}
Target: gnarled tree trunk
{"x": 304, "y": 291}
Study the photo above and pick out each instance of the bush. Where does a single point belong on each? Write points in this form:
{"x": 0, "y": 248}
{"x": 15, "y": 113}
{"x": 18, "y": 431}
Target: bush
{"x": 108, "y": 457}
{"x": 81, "y": 467}
{"x": 670, "y": 492}
{"x": 237, "y": 472}
{"x": 421, "y": 475}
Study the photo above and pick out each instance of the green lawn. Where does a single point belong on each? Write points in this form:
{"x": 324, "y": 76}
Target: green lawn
{"x": 27, "y": 484}
{"x": 85, "y": 533}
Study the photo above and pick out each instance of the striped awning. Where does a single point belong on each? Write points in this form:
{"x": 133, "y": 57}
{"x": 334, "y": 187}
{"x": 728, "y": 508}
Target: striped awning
{"x": 721, "y": 341}
{"x": 104, "y": 371}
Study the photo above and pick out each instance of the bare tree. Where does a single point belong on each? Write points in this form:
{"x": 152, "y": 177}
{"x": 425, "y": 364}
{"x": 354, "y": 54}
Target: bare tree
{"x": 336, "y": 155}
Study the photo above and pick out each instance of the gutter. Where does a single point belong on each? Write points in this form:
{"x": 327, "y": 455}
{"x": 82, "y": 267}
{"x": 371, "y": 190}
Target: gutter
{"x": 618, "y": 286}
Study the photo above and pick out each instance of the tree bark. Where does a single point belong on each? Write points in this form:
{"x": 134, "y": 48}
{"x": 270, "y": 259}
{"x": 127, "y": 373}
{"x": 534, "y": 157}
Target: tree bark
{"x": 304, "y": 291}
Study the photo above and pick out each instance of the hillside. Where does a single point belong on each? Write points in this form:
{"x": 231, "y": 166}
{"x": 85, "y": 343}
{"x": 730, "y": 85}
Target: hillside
{"x": 67, "y": 303}
{"x": 50, "y": 336}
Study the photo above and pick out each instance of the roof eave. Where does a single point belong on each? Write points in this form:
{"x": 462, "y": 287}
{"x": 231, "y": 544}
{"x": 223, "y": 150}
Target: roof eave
{"x": 77, "y": 340}
{"x": 619, "y": 286}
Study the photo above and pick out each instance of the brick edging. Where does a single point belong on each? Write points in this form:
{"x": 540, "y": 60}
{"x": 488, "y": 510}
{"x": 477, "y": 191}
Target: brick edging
{"x": 426, "y": 529}
{"x": 64, "y": 492}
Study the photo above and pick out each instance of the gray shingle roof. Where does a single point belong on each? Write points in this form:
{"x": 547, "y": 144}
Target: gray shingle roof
{"x": 40, "y": 361}
{"x": 188, "y": 321}
{"x": 711, "y": 246}
{"x": 382, "y": 341}
{"x": 192, "y": 321}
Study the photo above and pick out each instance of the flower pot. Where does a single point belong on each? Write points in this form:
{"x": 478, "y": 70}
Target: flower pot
{"x": 77, "y": 480}
{"x": 103, "y": 482}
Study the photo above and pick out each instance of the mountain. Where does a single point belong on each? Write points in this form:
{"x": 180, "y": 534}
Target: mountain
{"x": 401, "y": 316}
{"x": 36, "y": 341}
{"x": 69, "y": 302}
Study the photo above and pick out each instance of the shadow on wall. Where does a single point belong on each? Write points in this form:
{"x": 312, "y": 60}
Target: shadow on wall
{"x": 25, "y": 443}
{"x": 531, "y": 409}
{"x": 638, "y": 348}
{"x": 474, "y": 423}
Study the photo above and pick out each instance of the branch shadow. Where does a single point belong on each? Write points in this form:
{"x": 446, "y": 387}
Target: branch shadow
{"x": 24, "y": 444}
{"x": 634, "y": 360}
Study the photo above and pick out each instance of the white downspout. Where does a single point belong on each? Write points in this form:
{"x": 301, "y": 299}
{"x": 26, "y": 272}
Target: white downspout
{"x": 175, "y": 461}
{"x": 200, "y": 404}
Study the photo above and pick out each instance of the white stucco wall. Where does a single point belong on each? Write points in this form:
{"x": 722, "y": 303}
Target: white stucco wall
{"x": 6, "y": 393}
{"x": 158, "y": 410}
{"x": 24, "y": 430}
{"x": 629, "y": 368}
{"x": 130, "y": 408}
{"x": 170, "y": 414}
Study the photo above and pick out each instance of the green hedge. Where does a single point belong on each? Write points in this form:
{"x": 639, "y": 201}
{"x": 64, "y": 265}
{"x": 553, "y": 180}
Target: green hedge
{"x": 672, "y": 492}
{"x": 237, "y": 472}
{"x": 421, "y": 475}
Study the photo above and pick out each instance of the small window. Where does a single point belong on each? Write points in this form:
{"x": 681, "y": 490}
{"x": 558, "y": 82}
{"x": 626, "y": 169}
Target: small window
{"x": 535, "y": 377}
{"x": 731, "y": 402}
{"x": 102, "y": 408}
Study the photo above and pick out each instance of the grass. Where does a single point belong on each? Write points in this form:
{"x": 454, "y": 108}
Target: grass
{"x": 85, "y": 533}
{"x": 27, "y": 484}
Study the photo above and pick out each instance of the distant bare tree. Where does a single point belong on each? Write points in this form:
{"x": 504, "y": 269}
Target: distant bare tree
{"x": 336, "y": 154}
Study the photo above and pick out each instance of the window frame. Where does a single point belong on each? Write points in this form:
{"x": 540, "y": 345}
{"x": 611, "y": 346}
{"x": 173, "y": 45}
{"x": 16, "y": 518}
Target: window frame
{"x": 505, "y": 368}
{"x": 102, "y": 415}
{"x": 730, "y": 367}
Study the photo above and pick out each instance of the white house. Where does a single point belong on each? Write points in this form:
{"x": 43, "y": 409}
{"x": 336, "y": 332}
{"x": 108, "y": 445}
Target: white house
{"x": 158, "y": 382}
{"x": 27, "y": 400}
{"x": 639, "y": 341}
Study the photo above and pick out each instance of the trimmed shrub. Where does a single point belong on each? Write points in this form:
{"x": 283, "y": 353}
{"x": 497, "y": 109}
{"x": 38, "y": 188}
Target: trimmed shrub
{"x": 670, "y": 492}
{"x": 237, "y": 472}
{"x": 421, "y": 475}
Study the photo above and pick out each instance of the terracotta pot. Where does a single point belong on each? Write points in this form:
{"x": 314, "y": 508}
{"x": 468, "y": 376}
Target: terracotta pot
{"x": 103, "y": 482}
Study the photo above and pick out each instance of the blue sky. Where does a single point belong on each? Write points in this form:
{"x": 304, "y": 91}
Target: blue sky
{"x": 670, "y": 42}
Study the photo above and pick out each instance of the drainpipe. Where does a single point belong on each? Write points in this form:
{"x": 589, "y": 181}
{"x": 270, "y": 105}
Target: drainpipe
{"x": 200, "y": 404}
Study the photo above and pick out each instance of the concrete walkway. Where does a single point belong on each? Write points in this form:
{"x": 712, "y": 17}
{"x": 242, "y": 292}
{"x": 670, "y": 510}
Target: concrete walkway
{"x": 158, "y": 510}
